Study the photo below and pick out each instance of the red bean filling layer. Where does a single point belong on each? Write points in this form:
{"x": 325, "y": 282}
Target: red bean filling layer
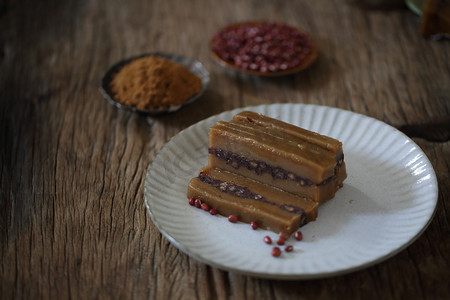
{"x": 264, "y": 47}
{"x": 260, "y": 167}
{"x": 243, "y": 192}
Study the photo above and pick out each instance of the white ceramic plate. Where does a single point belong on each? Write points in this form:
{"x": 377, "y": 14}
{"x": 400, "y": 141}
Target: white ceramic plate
{"x": 387, "y": 200}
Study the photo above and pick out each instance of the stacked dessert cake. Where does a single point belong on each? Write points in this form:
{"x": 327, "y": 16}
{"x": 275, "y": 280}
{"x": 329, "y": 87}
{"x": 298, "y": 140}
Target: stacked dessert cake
{"x": 270, "y": 172}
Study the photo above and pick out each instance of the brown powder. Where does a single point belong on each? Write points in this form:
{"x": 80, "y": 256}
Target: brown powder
{"x": 154, "y": 82}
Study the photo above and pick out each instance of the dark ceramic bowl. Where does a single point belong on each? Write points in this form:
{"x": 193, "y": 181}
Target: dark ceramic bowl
{"x": 193, "y": 65}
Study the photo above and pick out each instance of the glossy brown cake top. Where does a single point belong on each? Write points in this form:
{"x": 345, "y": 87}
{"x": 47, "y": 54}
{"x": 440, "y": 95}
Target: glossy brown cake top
{"x": 289, "y": 131}
{"x": 282, "y": 145}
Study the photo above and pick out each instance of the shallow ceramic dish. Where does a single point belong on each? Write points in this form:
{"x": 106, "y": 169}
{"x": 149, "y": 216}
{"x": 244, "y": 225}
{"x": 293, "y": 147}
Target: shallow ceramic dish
{"x": 191, "y": 64}
{"x": 306, "y": 62}
{"x": 386, "y": 203}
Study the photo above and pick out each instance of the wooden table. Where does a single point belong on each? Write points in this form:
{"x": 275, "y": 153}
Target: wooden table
{"x": 73, "y": 223}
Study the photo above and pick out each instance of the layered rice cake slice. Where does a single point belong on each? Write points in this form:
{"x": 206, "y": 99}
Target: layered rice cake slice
{"x": 270, "y": 207}
{"x": 279, "y": 154}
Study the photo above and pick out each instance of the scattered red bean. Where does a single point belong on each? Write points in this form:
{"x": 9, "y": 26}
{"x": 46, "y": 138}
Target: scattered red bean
{"x": 276, "y": 251}
{"x": 205, "y": 206}
{"x": 341, "y": 185}
{"x": 298, "y": 235}
{"x": 198, "y": 203}
{"x": 284, "y": 235}
{"x": 254, "y": 225}
{"x": 191, "y": 201}
{"x": 233, "y": 218}
{"x": 267, "y": 240}
{"x": 264, "y": 46}
{"x": 213, "y": 211}
{"x": 289, "y": 248}
{"x": 281, "y": 241}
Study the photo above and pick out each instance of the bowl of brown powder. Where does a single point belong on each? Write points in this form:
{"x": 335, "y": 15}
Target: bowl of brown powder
{"x": 154, "y": 83}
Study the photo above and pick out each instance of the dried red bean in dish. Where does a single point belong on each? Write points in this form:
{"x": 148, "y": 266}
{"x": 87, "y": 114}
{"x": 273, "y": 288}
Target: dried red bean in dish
{"x": 263, "y": 48}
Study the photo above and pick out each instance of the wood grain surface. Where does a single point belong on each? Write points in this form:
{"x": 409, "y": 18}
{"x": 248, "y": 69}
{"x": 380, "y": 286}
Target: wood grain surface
{"x": 73, "y": 224}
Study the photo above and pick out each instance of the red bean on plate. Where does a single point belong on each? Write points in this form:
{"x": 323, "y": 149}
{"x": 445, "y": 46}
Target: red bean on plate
{"x": 263, "y": 47}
